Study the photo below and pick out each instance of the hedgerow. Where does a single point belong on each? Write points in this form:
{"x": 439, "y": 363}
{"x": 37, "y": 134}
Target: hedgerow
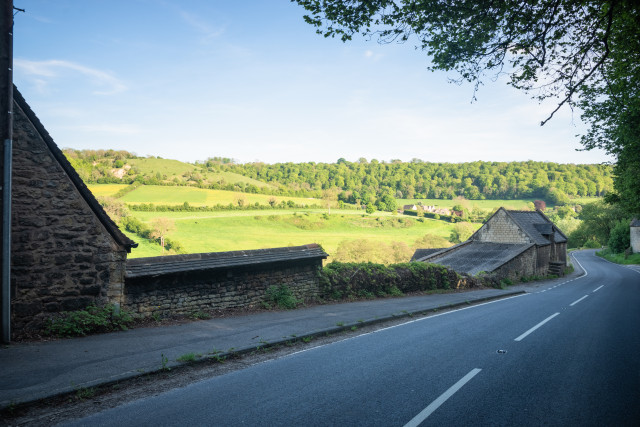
{"x": 357, "y": 280}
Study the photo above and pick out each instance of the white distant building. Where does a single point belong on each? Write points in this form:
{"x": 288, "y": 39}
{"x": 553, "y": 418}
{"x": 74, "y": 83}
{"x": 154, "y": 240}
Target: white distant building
{"x": 634, "y": 230}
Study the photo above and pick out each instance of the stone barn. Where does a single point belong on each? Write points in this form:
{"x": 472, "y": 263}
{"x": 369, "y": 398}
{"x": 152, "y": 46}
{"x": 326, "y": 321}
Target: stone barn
{"x": 511, "y": 244}
{"x": 65, "y": 251}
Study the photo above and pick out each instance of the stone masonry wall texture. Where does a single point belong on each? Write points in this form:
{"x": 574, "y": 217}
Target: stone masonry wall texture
{"x": 62, "y": 256}
{"x": 191, "y": 291}
{"x": 524, "y": 265}
{"x": 501, "y": 229}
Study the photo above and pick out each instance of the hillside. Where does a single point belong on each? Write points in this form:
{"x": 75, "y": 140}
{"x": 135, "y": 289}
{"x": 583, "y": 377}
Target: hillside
{"x": 122, "y": 167}
{"x": 363, "y": 182}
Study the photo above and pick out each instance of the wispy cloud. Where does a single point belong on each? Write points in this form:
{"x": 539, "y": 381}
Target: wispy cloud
{"x": 371, "y": 55}
{"x": 194, "y": 21}
{"x": 43, "y": 70}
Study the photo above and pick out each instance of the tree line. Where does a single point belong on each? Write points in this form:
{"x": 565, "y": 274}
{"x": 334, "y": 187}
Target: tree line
{"x": 366, "y": 180}
{"x": 369, "y": 182}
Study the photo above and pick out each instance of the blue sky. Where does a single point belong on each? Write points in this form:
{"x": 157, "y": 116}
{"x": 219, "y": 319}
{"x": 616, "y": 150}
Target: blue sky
{"x": 250, "y": 80}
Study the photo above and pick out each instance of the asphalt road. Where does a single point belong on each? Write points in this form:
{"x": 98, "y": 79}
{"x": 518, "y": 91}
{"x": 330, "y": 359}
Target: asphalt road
{"x": 565, "y": 355}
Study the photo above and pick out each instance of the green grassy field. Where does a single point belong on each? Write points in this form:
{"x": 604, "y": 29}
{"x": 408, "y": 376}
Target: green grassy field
{"x": 105, "y": 189}
{"x": 167, "y": 167}
{"x": 175, "y": 168}
{"x": 201, "y": 197}
{"x": 233, "y": 178}
{"x": 585, "y": 200}
{"x": 145, "y": 248}
{"x": 220, "y": 231}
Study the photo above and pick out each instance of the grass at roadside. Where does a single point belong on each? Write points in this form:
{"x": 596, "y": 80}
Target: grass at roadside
{"x": 619, "y": 258}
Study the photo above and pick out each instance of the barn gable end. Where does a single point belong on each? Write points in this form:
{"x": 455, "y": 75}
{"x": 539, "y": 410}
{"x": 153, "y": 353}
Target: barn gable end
{"x": 66, "y": 251}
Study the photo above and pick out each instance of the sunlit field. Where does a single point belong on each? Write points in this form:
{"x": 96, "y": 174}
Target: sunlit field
{"x": 224, "y": 231}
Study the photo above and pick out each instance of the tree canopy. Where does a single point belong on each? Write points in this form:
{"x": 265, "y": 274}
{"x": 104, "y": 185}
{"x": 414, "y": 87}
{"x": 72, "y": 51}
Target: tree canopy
{"x": 582, "y": 53}
{"x": 365, "y": 182}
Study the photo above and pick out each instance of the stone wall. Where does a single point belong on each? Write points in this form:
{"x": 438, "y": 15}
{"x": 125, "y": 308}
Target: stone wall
{"x": 544, "y": 256}
{"x": 501, "y": 229}
{"x": 240, "y": 286}
{"x": 525, "y": 264}
{"x": 561, "y": 252}
{"x": 63, "y": 258}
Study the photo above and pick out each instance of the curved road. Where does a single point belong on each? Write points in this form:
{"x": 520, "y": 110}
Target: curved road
{"x": 568, "y": 354}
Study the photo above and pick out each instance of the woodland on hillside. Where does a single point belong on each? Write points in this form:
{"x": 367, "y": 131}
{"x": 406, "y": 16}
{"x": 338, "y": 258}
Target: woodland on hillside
{"x": 361, "y": 182}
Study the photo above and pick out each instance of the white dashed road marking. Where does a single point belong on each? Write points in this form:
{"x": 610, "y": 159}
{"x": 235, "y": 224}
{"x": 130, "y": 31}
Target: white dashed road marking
{"x": 440, "y": 400}
{"x": 523, "y": 336}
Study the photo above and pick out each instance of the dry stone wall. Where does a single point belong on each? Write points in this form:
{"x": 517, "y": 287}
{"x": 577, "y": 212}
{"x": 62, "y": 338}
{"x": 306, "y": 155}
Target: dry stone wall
{"x": 237, "y": 287}
{"x": 63, "y": 258}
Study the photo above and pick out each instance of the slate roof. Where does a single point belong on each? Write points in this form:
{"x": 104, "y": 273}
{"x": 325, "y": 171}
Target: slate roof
{"x": 472, "y": 257}
{"x": 535, "y": 224}
{"x": 635, "y": 223}
{"x": 157, "y": 266}
{"x": 544, "y": 229}
{"x": 421, "y": 253}
{"x": 86, "y": 194}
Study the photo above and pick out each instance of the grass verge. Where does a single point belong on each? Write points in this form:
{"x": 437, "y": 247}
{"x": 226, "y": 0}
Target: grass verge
{"x": 624, "y": 259}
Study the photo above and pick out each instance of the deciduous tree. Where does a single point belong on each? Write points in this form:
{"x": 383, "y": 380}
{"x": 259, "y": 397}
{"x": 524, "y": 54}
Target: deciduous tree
{"x": 582, "y": 53}
{"x": 160, "y": 227}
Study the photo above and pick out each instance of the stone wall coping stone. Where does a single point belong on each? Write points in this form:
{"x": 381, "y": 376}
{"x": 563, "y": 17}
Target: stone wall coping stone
{"x": 156, "y": 266}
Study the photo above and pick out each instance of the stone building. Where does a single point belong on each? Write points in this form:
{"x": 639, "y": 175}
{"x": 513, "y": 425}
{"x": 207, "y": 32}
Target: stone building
{"x": 511, "y": 244}
{"x": 634, "y": 230}
{"x": 65, "y": 251}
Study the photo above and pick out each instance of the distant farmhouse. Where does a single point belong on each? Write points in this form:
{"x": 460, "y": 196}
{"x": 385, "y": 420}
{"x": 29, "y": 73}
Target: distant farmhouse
{"x": 430, "y": 209}
{"x": 511, "y": 244}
